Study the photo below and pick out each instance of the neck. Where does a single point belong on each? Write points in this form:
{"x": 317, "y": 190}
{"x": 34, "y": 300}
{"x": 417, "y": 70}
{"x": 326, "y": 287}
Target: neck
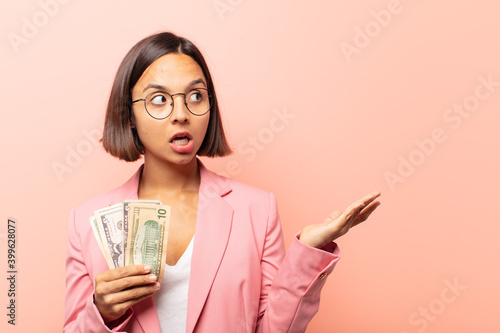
{"x": 163, "y": 178}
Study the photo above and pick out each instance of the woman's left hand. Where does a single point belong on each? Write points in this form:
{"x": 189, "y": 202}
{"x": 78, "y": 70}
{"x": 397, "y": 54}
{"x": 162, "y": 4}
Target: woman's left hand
{"x": 338, "y": 223}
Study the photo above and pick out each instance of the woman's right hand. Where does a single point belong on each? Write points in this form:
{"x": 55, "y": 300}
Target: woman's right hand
{"x": 118, "y": 289}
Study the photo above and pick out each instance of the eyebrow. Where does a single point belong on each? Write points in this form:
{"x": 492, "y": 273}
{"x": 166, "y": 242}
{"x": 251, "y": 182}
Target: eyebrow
{"x": 158, "y": 86}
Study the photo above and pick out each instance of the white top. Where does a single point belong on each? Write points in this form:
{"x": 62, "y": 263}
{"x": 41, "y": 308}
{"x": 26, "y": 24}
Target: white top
{"x": 171, "y": 299}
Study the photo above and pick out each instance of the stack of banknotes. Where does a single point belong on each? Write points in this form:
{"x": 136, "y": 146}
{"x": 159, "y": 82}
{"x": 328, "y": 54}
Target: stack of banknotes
{"x": 133, "y": 232}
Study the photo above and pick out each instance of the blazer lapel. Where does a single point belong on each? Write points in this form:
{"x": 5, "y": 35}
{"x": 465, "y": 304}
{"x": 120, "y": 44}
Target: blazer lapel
{"x": 213, "y": 227}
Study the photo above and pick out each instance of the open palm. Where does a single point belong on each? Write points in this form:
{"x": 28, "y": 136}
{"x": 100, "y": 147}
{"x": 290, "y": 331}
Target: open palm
{"x": 338, "y": 223}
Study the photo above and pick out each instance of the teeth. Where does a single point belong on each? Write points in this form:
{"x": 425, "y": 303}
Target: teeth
{"x": 181, "y": 141}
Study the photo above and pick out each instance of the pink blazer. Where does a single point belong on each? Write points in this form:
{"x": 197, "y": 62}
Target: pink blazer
{"x": 241, "y": 280}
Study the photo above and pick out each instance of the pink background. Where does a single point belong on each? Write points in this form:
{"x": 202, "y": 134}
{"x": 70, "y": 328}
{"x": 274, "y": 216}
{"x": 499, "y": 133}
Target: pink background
{"x": 364, "y": 85}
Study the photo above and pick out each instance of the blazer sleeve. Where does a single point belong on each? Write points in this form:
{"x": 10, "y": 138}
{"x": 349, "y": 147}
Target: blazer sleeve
{"x": 291, "y": 289}
{"x": 81, "y": 314}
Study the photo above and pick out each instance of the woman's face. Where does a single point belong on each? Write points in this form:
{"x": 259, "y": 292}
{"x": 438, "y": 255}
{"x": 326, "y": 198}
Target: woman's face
{"x": 177, "y": 138}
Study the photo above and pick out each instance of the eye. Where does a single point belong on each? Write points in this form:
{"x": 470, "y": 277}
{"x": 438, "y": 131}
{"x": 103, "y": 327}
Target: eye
{"x": 158, "y": 99}
{"x": 195, "y": 97}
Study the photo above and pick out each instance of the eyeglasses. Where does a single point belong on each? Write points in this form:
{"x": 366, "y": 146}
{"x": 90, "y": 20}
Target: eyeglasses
{"x": 159, "y": 104}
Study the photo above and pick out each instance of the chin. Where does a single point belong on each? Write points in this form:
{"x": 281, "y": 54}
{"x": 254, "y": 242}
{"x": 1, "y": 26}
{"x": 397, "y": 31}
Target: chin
{"x": 171, "y": 157}
{"x": 183, "y": 159}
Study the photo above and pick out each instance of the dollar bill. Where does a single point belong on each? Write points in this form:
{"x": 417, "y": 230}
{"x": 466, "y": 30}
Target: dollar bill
{"x": 110, "y": 227}
{"x": 109, "y": 220}
{"x": 147, "y": 236}
{"x": 95, "y": 229}
{"x": 126, "y": 209}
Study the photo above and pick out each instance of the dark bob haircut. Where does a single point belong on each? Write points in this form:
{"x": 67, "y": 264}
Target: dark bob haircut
{"x": 120, "y": 138}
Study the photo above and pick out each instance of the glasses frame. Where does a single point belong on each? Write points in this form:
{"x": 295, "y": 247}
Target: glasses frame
{"x": 173, "y": 102}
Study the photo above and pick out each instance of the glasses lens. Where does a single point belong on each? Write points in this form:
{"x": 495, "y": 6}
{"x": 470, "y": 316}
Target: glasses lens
{"x": 198, "y": 101}
{"x": 159, "y": 104}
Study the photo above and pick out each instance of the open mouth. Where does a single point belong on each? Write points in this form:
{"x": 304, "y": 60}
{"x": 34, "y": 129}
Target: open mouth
{"x": 180, "y": 140}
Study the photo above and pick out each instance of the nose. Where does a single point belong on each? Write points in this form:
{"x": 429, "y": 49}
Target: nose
{"x": 180, "y": 113}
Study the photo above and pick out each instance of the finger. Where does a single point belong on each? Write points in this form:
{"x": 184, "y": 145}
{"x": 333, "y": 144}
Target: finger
{"x": 104, "y": 288}
{"x": 366, "y": 213}
{"x": 355, "y": 208}
{"x": 350, "y": 214}
{"x": 122, "y": 307}
{"x": 135, "y": 281}
{"x": 132, "y": 294}
{"x": 352, "y": 211}
{"x": 346, "y": 219}
{"x": 342, "y": 222}
{"x": 368, "y": 209}
{"x": 370, "y": 197}
{"x": 121, "y": 272}
{"x": 115, "y": 305}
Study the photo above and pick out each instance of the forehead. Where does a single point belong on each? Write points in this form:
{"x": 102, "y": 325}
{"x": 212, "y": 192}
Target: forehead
{"x": 173, "y": 70}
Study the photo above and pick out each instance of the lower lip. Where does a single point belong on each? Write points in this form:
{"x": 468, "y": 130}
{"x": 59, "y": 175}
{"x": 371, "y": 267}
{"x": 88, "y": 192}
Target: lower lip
{"x": 183, "y": 149}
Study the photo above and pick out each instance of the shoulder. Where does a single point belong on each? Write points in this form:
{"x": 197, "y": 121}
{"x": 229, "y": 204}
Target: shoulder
{"x": 238, "y": 194}
{"x": 251, "y": 192}
{"x": 213, "y": 182}
{"x": 260, "y": 204}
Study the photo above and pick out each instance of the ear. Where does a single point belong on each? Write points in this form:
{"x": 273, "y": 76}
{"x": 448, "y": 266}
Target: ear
{"x": 131, "y": 120}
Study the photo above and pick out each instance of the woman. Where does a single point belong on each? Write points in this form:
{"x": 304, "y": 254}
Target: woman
{"x": 226, "y": 265}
